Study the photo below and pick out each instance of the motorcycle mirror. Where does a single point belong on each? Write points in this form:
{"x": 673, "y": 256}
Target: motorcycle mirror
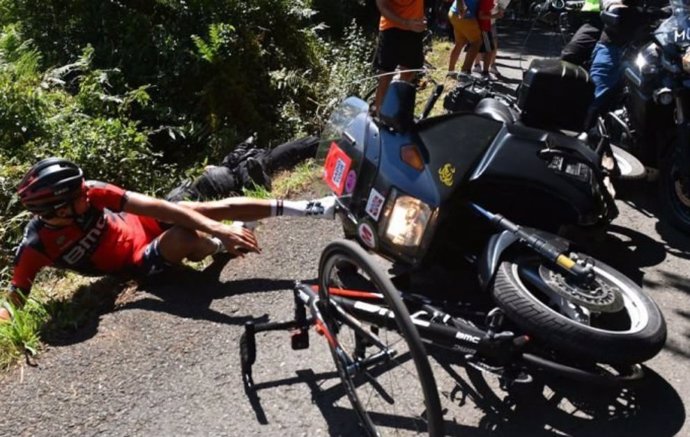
{"x": 397, "y": 110}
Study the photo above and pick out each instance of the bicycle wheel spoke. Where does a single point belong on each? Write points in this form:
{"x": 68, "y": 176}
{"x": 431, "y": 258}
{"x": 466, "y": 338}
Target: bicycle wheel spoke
{"x": 380, "y": 361}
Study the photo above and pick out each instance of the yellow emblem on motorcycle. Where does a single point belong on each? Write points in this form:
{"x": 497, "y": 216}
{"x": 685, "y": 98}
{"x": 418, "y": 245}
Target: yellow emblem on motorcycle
{"x": 446, "y": 174}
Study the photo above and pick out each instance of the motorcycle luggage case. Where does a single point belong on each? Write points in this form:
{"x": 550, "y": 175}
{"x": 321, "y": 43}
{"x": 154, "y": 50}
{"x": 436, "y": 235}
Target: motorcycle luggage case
{"x": 555, "y": 94}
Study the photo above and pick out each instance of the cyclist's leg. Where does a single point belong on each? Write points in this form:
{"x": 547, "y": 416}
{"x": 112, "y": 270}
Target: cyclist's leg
{"x": 178, "y": 243}
{"x": 289, "y": 154}
{"x": 247, "y": 209}
{"x": 171, "y": 247}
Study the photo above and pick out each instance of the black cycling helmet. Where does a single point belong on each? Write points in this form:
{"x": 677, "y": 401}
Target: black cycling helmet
{"x": 50, "y": 184}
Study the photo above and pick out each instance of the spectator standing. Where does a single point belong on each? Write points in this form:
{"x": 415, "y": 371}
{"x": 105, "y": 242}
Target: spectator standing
{"x": 489, "y": 11}
{"x": 400, "y": 42}
{"x": 463, "y": 18}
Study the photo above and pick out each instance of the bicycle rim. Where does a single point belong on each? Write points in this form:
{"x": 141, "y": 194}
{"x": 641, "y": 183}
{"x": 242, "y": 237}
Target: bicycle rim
{"x": 388, "y": 384}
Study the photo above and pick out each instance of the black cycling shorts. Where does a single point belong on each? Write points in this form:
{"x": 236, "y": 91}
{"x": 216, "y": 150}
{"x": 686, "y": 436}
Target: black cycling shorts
{"x": 397, "y": 47}
{"x": 152, "y": 261}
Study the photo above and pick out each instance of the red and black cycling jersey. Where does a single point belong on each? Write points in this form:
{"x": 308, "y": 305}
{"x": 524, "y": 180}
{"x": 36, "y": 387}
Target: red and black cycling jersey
{"x": 101, "y": 241}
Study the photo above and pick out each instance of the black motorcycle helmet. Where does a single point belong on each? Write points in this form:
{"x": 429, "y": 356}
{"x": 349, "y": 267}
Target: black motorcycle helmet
{"x": 49, "y": 185}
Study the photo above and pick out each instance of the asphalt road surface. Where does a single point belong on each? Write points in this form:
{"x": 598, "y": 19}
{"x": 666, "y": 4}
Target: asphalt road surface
{"x": 164, "y": 360}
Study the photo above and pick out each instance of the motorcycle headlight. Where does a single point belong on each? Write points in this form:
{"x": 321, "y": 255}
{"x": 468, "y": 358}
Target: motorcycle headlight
{"x": 407, "y": 221}
{"x": 686, "y": 61}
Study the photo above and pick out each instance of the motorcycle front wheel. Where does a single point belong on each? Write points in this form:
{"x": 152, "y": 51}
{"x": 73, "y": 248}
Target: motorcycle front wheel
{"x": 609, "y": 320}
{"x": 674, "y": 194}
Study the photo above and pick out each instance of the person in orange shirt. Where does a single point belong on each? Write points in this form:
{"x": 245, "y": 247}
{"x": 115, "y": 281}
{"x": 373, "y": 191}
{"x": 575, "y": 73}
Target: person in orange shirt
{"x": 401, "y": 31}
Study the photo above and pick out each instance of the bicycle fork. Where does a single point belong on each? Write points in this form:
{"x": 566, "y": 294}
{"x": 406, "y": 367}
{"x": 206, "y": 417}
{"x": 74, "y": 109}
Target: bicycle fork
{"x": 306, "y": 297}
{"x": 299, "y": 327}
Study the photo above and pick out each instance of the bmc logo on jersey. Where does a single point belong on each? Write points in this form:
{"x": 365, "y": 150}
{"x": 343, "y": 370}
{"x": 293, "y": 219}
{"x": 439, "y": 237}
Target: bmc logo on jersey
{"x": 86, "y": 245}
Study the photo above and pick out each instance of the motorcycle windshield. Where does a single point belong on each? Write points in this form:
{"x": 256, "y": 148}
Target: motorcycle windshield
{"x": 675, "y": 31}
{"x": 340, "y": 119}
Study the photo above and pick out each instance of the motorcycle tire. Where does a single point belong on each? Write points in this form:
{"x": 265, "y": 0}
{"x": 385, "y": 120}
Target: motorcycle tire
{"x": 629, "y": 167}
{"x": 634, "y": 334}
{"x": 675, "y": 203}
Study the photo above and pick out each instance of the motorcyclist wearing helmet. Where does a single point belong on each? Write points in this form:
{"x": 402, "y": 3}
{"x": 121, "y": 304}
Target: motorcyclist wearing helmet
{"x": 623, "y": 20}
{"x": 98, "y": 228}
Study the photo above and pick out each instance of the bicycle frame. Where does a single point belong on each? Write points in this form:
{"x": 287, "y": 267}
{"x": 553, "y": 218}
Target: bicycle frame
{"x": 499, "y": 352}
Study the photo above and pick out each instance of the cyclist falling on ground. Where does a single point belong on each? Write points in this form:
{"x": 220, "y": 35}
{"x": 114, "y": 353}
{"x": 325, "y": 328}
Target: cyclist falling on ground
{"x": 97, "y": 228}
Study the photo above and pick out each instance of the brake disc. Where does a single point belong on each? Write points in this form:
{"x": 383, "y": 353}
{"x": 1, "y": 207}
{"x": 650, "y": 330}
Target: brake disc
{"x": 599, "y": 295}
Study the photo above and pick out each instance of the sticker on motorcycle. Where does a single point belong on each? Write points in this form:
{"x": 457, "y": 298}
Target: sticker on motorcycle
{"x": 336, "y": 168}
{"x": 446, "y": 174}
{"x": 350, "y": 182}
{"x": 375, "y": 204}
{"x": 680, "y": 35}
{"x": 366, "y": 235}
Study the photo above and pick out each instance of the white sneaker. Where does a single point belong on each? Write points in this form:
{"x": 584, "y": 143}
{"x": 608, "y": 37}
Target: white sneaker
{"x": 477, "y": 69}
{"x": 322, "y": 208}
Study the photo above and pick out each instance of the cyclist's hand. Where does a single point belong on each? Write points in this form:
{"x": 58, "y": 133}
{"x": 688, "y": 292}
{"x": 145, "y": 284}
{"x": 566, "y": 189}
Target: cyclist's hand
{"x": 417, "y": 25}
{"x": 5, "y": 315}
{"x": 238, "y": 240}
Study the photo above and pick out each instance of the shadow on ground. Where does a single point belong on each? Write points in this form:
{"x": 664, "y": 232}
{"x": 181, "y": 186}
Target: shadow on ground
{"x": 550, "y": 406}
{"x": 341, "y": 421}
{"x": 643, "y": 197}
{"x": 183, "y": 292}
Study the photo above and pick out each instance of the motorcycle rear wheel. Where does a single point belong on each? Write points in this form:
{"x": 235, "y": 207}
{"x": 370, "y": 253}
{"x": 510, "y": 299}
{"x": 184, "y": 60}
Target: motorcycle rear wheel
{"x": 629, "y": 167}
{"x": 633, "y": 334}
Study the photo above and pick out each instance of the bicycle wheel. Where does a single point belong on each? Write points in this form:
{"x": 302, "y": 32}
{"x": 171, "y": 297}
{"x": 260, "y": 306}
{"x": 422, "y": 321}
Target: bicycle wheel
{"x": 379, "y": 356}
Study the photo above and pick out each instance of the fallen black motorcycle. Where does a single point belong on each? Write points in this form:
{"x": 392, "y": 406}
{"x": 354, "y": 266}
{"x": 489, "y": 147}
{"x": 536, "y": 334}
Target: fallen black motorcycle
{"x": 444, "y": 199}
{"x": 554, "y": 95}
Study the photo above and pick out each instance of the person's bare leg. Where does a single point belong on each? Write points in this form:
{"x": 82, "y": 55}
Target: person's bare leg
{"x": 384, "y": 82}
{"x": 490, "y": 60}
{"x": 455, "y": 53}
{"x": 470, "y": 56}
{"x": 407, "y": 76}
{"x": 478, "y": 60}
{"x": 178, "y": 243}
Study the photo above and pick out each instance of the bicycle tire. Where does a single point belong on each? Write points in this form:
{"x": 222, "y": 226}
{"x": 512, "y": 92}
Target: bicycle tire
{"x": 335, "y": 255}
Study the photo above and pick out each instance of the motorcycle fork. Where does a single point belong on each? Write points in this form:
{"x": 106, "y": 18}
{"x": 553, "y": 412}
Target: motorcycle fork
{"x": 581, "y": 271}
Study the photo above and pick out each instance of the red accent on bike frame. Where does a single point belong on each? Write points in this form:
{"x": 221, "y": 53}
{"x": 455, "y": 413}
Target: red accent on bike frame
{"x": 350, "y": 293}
{"x": 323, "y": 330}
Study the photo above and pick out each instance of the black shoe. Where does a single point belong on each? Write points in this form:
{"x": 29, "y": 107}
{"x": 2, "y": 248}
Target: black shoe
{"x": 241, "y": 153}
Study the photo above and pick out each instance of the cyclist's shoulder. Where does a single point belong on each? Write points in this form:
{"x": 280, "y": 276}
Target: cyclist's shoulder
{"x": 33, "y": 231}
{"x": 100, "y": 185}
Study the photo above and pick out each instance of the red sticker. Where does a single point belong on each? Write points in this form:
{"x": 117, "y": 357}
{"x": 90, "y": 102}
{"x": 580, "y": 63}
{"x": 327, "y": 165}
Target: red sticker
{"x": 336, "y": 168}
